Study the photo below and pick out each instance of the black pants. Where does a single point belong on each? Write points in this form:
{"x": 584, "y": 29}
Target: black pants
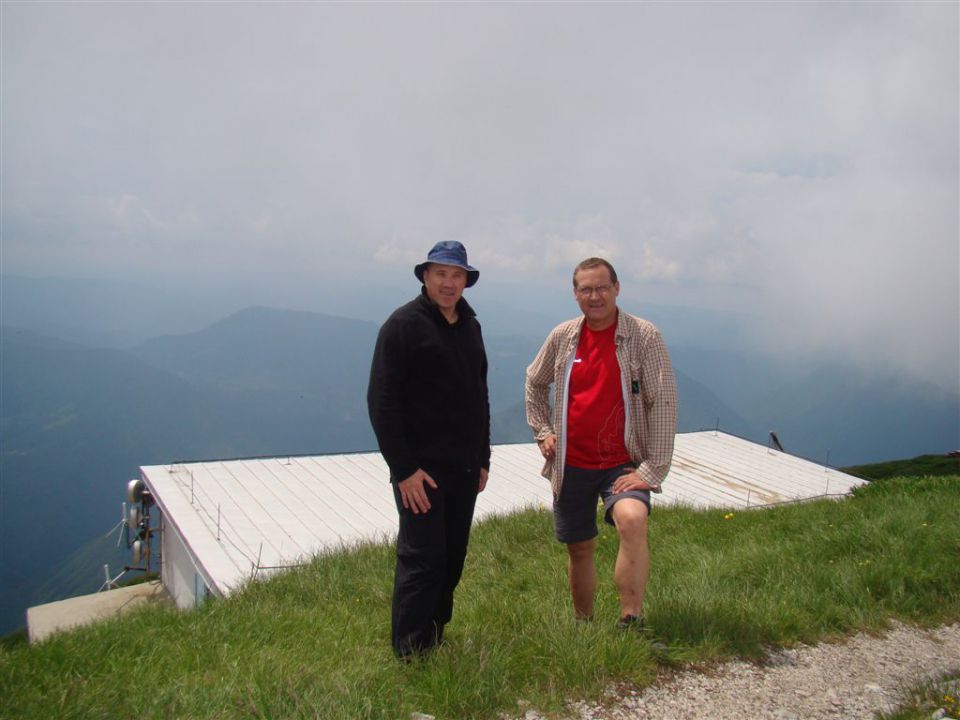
{"x": 431, "y": 548}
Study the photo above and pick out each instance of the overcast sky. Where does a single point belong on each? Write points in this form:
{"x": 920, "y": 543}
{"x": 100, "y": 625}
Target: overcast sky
{"x": 798, "y": 161}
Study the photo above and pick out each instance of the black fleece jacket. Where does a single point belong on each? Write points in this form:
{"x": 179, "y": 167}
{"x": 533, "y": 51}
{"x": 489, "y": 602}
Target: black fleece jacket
{"x": 427, "y": 396}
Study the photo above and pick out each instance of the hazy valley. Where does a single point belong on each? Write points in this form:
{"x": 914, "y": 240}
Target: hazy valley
{"x": 79, "y": 417}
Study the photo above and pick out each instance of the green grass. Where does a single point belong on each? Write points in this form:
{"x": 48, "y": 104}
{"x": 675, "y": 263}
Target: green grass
{"x": 920, "y": 466}
{"x": 313, "y": 643}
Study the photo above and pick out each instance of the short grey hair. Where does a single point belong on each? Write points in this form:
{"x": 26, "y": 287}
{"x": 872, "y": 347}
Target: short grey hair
{"x": 592, "y": 263}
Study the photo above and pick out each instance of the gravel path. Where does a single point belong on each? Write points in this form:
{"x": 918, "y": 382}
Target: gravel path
{"x": 858, "y": 678}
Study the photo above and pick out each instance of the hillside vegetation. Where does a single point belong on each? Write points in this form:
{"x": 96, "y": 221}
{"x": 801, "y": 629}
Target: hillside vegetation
{"x": 921, "y": 465}
{"x": 313, "y": 643}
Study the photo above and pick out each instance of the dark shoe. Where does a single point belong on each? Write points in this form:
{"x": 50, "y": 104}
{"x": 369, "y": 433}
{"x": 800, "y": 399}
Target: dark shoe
{"x": 631, "y": 622}
{"x": 637, "y": 624}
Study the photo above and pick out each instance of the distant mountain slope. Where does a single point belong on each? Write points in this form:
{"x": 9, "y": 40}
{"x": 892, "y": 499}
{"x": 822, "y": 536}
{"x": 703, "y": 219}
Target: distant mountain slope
{"x": 77, "y": 422}
{"x": 701, "y": 409}
{"x": 738, "y": 379}
{"x": 268, "y": 349}
{"x": 918, "y": 467}
{"x": 102, "y": 313}
{"x": 816, "y": 410}
{"x": 859, "y": 418}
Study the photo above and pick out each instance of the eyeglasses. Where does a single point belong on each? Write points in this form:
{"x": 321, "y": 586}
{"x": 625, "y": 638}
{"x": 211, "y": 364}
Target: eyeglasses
{"x": 586, "y": 291}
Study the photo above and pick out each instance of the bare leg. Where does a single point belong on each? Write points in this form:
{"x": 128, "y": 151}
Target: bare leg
{"x": 583, "y": 577}
{"x": 633, "y": 558}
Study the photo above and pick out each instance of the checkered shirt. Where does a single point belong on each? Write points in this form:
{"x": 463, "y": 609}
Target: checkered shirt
{"x": 649, "y": 391}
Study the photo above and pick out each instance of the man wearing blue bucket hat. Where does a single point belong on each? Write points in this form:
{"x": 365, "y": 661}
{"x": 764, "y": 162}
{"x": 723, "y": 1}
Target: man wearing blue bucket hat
{"x": 429, "y": 409}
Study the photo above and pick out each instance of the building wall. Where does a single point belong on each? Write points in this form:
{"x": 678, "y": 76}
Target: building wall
{"x": 177, "y": 571}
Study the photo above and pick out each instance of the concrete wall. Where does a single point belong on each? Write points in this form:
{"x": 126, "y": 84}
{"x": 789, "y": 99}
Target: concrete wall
{"x": 45, "y": 620}
{"x": 183, "y": 583}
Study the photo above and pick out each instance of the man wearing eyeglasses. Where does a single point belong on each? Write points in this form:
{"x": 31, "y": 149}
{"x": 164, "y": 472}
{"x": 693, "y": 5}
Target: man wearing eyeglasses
{"x": 608, "y": 435}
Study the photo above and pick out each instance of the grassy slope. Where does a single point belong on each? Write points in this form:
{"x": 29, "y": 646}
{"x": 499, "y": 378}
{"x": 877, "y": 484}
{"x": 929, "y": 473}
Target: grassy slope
{"x": 919, "y": 466}
{"x": 313, "y": 643}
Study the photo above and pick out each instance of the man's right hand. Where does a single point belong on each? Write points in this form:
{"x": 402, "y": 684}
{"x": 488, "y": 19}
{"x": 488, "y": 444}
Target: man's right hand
{"x": 413, "y": 494}
{"x": 548, "y": 446}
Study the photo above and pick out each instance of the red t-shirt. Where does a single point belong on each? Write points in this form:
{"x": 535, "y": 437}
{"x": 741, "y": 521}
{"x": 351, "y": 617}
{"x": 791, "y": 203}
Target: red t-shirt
{"x": 595, "y": 412}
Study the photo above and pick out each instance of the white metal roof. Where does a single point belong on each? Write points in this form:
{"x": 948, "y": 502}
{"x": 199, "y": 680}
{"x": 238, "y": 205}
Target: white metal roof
{"x": 241, "y": 518}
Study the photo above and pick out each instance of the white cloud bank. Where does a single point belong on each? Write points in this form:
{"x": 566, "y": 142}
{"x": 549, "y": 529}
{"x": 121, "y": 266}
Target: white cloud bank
{"x": 798, "y": 161}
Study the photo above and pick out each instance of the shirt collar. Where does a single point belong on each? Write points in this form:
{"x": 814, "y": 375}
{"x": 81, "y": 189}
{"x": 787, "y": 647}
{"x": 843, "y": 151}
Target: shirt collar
{"x": 624, "y": 329}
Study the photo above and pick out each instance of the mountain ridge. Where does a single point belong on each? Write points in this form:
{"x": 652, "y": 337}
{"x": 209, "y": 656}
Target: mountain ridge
{"x": 78, "y": 421}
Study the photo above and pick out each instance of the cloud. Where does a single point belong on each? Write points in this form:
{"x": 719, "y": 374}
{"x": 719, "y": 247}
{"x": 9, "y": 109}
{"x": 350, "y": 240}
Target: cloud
{"x": 128, "y": 214}
{"x": 796, "y": 161}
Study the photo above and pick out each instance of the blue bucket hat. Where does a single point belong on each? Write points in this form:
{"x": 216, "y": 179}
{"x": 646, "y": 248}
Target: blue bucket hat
{"x": 448, "y": 252}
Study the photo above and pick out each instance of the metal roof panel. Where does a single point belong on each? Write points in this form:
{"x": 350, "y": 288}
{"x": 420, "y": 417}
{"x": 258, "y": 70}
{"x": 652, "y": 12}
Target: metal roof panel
{"x": 242, "y": 518}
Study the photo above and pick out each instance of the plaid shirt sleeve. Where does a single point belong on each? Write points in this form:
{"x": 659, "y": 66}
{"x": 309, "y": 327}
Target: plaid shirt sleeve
{"x": 537, "y": 390}
{"x": 654, "y": 409}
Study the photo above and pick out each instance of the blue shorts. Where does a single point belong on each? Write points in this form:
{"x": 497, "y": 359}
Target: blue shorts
{"x": 575, "y": 509}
